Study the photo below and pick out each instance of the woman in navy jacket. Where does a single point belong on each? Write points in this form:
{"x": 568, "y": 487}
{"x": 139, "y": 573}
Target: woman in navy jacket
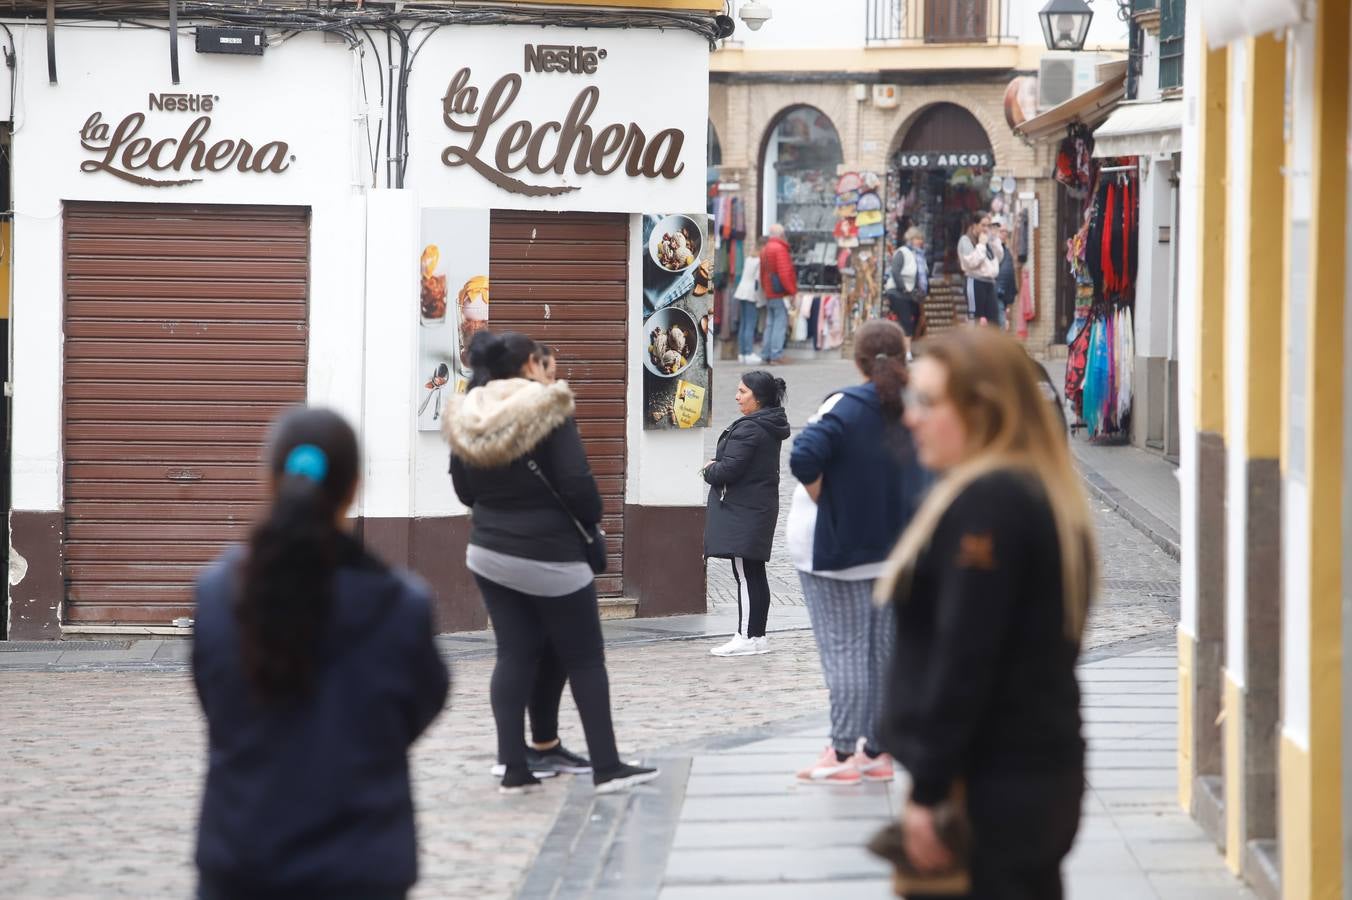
{"x": 860, "y": 484}
{"x": 316, "y": 670}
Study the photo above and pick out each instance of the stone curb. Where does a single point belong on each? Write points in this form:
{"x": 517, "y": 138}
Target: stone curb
{"x": 1160, "y": 532}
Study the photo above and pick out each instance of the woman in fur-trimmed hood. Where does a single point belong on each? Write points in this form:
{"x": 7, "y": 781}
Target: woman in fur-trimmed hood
{"x": 518, "y": 463}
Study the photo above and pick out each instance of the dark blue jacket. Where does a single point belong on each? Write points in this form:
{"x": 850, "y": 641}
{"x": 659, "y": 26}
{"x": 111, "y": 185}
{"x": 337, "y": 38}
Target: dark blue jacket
{"x": 871, "y": 481}
{"x": 311, "y": 796}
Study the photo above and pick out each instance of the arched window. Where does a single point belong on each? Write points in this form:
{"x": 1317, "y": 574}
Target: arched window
{"x": 713, "y": 148}
{"x": 798, "y": 171}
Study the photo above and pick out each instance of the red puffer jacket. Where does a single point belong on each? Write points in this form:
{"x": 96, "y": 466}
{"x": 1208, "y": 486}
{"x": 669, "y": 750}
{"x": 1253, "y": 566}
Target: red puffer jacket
{"x": 775, "y": 257}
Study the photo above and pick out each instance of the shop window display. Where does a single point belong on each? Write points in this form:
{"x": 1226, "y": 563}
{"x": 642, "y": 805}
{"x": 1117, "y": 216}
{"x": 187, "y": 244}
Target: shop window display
{"x": 801, "y": 159}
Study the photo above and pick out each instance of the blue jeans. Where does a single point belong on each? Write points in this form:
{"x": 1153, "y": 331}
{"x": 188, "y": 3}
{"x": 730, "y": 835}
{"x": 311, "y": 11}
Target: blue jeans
{"x": 776, "y": 328}
{"x": 746, "y": 328}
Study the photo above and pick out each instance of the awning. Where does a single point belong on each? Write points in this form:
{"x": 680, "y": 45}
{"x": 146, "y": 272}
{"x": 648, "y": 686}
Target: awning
{"x": 1090, "y": 108}
{"x": 1141, "y": 129}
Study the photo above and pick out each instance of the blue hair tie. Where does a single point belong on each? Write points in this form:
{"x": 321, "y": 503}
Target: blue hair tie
{"x": 307, "y": 461}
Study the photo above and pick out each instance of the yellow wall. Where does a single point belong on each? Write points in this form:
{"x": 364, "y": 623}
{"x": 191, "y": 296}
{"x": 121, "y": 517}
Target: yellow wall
{"x": 1233, "y": 706}
{"x": 1311, "y": 791}
{"x": 1293, "y": 764}
{"x": 1187, "y": 660}
{"x": 1212, "y": 233}
{"x": 1266, "y": 81}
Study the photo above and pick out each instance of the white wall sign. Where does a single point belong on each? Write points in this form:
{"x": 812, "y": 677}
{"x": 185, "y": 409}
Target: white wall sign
{"x": 170, "y": 149}
{"x": 524, "y": 117}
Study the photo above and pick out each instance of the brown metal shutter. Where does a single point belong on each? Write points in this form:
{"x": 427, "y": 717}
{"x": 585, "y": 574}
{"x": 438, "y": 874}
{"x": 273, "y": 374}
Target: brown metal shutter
{"x": 562, "y": 278}
{"x": 185, "y": 335}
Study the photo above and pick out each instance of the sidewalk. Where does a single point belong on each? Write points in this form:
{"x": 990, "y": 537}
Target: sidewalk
{"x": 727, "y": 820}
{"x": 1141, "y": 487}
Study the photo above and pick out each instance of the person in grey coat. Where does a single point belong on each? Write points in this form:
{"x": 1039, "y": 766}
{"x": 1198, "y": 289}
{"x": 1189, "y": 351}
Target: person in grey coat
{"x": 744, "y": 503}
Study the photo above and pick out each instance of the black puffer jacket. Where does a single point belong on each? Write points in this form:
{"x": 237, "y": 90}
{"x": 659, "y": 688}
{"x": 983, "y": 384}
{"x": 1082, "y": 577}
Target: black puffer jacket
{"x": 493, "y": 431}
{"x": 744, "y": 499}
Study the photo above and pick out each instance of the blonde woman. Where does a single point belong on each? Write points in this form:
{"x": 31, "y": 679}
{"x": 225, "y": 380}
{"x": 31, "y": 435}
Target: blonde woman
{"x": 991, "y": 583}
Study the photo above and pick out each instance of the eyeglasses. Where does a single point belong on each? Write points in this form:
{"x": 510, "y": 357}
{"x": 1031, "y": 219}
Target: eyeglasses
{"x": 921, "y": 404}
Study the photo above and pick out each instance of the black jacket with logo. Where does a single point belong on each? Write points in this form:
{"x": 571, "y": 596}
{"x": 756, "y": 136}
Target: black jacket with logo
{"x": 983, "y": 681}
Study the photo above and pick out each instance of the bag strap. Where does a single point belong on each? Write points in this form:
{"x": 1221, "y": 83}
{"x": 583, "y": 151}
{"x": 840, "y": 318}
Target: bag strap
{"x": 535, "y": 468}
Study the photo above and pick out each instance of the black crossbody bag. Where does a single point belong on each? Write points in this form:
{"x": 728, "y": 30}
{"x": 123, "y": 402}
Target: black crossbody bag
{"x": 594, "y": 538}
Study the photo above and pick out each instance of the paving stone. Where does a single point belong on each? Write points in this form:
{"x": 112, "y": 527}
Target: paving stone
{"x": 836, "y": 890}
{"x": 743, "y": 864}
{"x": 801, "y": 834}
{"x": 824, "y": 803}
{"x": 1206, "y": 885}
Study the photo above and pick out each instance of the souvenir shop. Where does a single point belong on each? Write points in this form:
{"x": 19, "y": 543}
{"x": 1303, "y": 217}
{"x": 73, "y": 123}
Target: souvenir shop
{"x": 1101, "y": 258}
{"x": 943, "y": 172}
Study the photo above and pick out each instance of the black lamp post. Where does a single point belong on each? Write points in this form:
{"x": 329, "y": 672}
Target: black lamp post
{"x": 1065, "y": 24}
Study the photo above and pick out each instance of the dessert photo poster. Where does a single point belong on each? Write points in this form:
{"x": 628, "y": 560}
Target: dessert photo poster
{"x": 452, "y": 305}
{"x": 678, "y": 262}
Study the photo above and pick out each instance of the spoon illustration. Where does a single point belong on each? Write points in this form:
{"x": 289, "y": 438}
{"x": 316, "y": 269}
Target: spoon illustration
{"x": 434, "y": 386}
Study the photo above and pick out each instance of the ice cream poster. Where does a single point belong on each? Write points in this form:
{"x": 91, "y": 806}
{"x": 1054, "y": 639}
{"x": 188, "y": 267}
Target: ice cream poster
{"x": 452, "y": 305}
{"x": 677, "y": 318}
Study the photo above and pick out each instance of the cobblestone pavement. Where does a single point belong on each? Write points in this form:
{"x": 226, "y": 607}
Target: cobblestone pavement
{"x": 102, "y": 769}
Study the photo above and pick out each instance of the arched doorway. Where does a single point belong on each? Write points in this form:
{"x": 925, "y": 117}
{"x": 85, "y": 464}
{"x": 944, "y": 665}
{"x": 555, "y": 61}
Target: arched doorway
{"x": 938, "y": 176}
{"x": 800, "y": 155}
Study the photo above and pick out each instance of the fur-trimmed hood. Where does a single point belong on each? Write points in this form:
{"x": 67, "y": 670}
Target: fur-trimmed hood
{"x": 503, "y": 420}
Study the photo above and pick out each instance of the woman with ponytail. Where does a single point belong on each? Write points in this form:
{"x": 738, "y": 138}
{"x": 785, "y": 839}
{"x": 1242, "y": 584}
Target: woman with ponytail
{"x": 743, "y": 505}
{"x": 991, "y": 585}
{"x": 518, "y": 463}
{"x": 860, "y": 483}
{"x": 316, "y": 671}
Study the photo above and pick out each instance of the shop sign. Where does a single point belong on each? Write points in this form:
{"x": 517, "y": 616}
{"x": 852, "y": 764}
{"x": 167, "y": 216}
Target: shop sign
{"x": 121, "y": 150}
{"x": 498, "y": 146}
{"x": 952, "y": 160}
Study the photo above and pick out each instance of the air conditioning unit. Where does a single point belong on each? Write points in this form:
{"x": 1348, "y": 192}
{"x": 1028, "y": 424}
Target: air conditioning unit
{"x": 886, "y": 96}
{"x": 1064, "y": 75}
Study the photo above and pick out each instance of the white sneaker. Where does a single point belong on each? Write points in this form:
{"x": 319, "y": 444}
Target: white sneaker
{"x": 754, "y": 360}
{"x": 738, "y": 646}
{"x": 760, "y": 644}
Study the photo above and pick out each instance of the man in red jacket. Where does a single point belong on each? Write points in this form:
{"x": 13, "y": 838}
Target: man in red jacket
{"x": 779, "y": 282}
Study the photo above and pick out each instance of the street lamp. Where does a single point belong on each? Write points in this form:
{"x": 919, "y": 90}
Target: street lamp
{"x": 1065, "y": 24}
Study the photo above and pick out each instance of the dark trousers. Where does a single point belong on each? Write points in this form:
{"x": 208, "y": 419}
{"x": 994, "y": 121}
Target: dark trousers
{"x": 545, "y": 697}
{"x": 525, "y": 627}
{"x": 755, "y": 612}
{"x": 1022, "y": 828}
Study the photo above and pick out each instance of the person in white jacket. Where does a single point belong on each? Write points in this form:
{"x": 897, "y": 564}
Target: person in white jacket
{"x": 750, "y": 300}
{"x": 980, "y": 255}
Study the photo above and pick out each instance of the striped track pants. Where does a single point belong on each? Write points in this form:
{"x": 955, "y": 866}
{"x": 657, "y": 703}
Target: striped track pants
{"x": 855, "y": 639}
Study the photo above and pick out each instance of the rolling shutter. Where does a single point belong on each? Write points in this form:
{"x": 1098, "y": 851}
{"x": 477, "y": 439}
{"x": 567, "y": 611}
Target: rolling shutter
{"x": 562, "y": 278}
{"x": 185, "y": 335}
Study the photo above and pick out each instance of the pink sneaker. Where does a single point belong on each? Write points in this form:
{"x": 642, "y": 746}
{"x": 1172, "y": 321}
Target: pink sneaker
{"x": 878, "y": 768}
{"x": 829, "y": 770}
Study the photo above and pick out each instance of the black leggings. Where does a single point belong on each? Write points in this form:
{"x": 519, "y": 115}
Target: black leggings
{"x": 525, "y": 627}
{"x": 752, "y": 572}
{"x": 545, "y": 697}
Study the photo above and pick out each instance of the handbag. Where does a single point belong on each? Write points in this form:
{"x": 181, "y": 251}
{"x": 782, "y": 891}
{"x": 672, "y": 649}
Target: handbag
{"x": 953, "y": 829}
{"x": 594, "y": 538}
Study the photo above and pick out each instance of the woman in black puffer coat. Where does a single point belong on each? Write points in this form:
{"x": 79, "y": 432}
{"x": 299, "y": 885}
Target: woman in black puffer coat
{"x": 744, "y": 503}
